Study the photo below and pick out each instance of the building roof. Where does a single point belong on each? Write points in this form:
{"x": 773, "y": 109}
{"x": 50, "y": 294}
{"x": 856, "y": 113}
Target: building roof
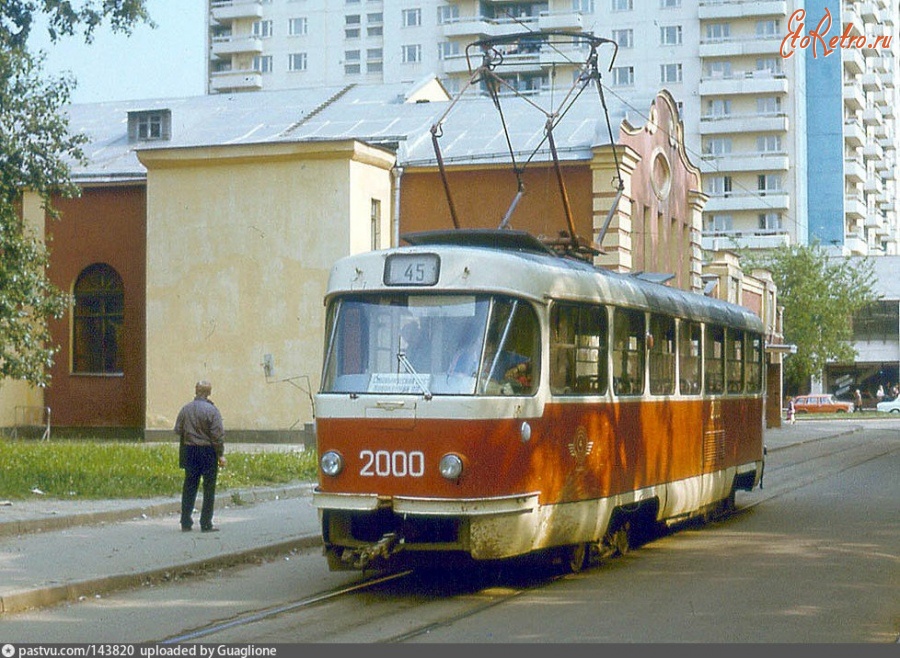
{"x": 398, "y": 115}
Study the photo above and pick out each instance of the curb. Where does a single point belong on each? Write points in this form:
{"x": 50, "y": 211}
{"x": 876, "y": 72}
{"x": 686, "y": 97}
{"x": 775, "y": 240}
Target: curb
{"x": 224, "y": 499}
{"x": 812, "y": 439}
{"x": 52, "y": 595}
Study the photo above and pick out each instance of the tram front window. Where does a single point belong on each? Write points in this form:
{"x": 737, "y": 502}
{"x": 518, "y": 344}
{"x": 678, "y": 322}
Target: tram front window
{"x": 431, "y": 345}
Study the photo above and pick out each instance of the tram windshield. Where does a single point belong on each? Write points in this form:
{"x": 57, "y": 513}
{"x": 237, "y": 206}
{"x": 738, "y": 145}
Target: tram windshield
{"x": 431, "y": 345}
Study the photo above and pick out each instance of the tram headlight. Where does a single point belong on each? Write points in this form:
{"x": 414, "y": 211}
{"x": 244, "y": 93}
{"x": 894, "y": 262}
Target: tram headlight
{"x": 331, "y": 463}
{"x": 451, "y": 466}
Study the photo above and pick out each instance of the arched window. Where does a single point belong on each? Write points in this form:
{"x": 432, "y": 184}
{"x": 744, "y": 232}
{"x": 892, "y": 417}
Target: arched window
{"x": 99, "y": 316}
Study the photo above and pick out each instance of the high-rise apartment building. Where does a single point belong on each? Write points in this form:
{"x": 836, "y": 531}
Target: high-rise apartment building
{"x": 788, "y": 106}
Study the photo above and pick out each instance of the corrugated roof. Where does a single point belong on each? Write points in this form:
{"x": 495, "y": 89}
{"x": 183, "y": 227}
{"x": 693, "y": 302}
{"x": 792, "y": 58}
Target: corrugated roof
{"x": 472, "y": 131}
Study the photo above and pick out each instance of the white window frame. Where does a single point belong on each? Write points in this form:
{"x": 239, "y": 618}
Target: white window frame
{"x": 718, "y": 146}
{"x": 670, "y": 73}
{"x": 624, "y": 38}
{"x": 297, "y": 61}
{"x": 298, "y": 26}
{"x": 623, "y": 76}
{"x": 412, "y": 17}
{"x": 768, "y": 144}
{"x": 447, "y": 14}
{"x": 411, "y": 53}
{"x": 670, "y": 35}
{"x": 718, "y": 32}
{"x": 263, "y": 63}
{"x": 262, "y": 29}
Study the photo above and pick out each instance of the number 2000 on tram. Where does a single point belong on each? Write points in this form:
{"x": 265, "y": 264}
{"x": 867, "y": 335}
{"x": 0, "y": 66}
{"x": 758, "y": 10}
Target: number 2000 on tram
{"x": 484, "y": 398}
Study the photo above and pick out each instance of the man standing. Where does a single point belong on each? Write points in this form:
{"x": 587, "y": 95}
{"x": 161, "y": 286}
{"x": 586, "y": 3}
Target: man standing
{"x": 201, "y": 453}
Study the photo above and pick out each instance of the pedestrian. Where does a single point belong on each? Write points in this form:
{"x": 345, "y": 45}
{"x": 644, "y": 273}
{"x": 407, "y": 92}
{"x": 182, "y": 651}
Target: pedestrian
{"x": 858, "y": 400}
{"x": 791, "y": 410}
{"x": 201, "y": 453}
{"x": 879, "y": 394}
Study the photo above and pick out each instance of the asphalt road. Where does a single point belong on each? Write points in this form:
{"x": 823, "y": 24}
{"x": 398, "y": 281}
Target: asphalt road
{"x": 812, "y": 558}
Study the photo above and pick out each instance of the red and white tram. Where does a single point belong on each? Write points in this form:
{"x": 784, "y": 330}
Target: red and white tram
{"x": 483, "y": 397}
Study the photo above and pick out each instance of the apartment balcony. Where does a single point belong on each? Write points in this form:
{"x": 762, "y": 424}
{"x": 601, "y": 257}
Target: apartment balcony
{"x": 744, "y": 123}
{"x": 227, "y": 46}
{"x": 855, "y": 206}
{"x": 749, "y": 201}
{"x": 854, "y": 98}
{"x": 479, "y": 27}
{"x": 854, "y": 61}
{"x": 854, "y": 133}
{"x": 717, "y": 9}
{"x": 854, "y": 171}
{"x": 522, "y": 63}
{"x": 751, "y": 83}
{"x": 457, "y": 64}
{"x": 869, "y": 12}
{"x": 741, "y": 47}
{"x": 856, "y": 245}
{"x": 888, "y": 79}
{"x": 873, "y": 184}
{"x": 873, "y": 151}
{"x": 762, "y": 239}
{"x": 872, "y": 116}
{"x": 470, "y": 28}
{"x": 871, "y": 82}
{"x": 743, "y": 162}
{"x": 564, "y": 20}
{"x": 853, "y": 22}
{"x": 245, "y": 80}
{"x": 888, "y": 110}
{"x": 225, "y": 11}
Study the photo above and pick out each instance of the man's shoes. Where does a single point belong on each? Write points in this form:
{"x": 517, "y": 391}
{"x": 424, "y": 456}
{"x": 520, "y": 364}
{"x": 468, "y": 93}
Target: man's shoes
{"x": 185, "y": 528}
{"x": 211, "y": 528}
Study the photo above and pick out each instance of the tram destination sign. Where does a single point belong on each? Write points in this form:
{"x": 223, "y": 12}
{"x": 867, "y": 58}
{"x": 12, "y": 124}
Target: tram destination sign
{"x": 412, "y": 270}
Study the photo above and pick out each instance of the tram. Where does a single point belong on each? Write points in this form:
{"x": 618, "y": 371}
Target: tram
{"x": 484, "y": 397}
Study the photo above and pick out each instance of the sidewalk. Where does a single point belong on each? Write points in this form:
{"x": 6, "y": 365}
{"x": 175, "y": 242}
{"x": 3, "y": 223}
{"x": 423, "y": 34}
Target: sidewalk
{"x": 116, "y": 544}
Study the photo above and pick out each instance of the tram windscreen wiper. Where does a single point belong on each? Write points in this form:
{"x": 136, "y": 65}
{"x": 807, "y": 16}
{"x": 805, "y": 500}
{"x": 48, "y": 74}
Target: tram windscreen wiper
{"x": 401, "y": 357}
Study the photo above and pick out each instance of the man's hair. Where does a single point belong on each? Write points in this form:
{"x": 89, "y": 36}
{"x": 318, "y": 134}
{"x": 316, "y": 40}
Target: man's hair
{"x": 203, "y": 388}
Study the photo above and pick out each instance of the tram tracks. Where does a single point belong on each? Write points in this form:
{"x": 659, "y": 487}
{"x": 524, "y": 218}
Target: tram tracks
{"x": 248, "y": 618}
{"x": 793, "y": 470}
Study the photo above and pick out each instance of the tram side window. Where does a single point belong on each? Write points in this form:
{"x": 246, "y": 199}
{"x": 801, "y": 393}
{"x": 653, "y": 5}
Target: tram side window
{"x": 734, "y": 359}
{"x": 512, "y": 350}
{"x": 714, "y": 356}
{"x": 754, "y": 363}
{"x": 628, "y": 352}
{"x": 578, "y": 349}
{"x": 689, "y": 342}
{"x": 662, "y": 355}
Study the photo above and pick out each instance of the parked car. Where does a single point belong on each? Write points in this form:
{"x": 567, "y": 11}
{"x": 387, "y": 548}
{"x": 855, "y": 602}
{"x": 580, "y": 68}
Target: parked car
{"x": 892, "y": 406}
{"x": 823, "y": 403}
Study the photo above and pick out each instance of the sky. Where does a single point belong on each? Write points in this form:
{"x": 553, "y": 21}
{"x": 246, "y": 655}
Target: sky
{"x": 165, "y": 62}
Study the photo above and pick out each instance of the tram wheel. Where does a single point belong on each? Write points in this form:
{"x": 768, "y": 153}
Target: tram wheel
{"x": 577, "y": 557}
{"x": 621, "y": 542}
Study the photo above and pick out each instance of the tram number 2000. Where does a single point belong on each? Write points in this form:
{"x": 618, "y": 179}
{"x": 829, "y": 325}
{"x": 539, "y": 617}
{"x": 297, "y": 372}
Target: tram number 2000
{"x": 399, "y": 463}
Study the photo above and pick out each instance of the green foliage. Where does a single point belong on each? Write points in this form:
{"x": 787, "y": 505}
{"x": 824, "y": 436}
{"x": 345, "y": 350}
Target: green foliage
{"x": 34, "y": 148}
{"x": 66, "y": 18}
{"x": 96, "y": 470}
{"x": 820, "y": 295}
{"x": 36, "y": 155}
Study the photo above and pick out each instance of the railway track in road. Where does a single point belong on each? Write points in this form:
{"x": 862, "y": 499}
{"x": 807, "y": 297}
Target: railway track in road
{"x": 407, "y": 605}
{"x": 299, "y": 605}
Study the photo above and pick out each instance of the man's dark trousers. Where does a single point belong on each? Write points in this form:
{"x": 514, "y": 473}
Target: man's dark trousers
{"x": 199, "y": 461}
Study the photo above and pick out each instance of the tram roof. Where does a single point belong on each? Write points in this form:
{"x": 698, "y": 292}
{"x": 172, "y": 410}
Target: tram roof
{"x": 521, "y": 264}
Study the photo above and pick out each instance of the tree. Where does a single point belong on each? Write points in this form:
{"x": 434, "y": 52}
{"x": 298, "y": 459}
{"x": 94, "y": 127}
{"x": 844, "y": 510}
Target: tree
{"x": 820, "y": 295}
{"x": 37, "y": 152}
